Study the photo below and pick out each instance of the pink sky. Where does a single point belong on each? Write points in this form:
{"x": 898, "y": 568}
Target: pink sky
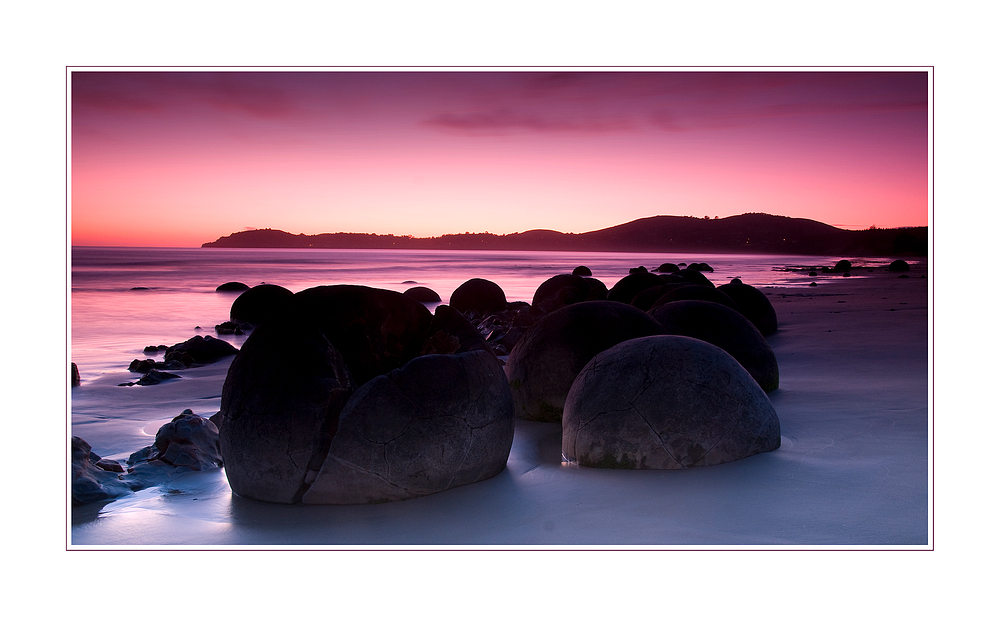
{"x": 165, "y": 158}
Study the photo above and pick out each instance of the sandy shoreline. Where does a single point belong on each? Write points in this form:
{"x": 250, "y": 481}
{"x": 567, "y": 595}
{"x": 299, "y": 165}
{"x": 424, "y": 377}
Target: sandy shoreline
{"x": 852, "y": 469}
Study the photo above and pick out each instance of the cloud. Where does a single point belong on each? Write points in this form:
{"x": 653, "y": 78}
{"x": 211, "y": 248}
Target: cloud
{"x": 505, "y": 120}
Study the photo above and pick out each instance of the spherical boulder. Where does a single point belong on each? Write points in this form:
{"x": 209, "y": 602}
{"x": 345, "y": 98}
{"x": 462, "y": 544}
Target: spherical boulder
{"x": 565, "y": 289}
{"x": 259, "y": 303}
{"x": 582, "y": 271}
{"x": 232, "y": 286}
{"x": 422, "y": 294}
{"x": 899, "y": 266}
{"x": 439, "y": 422}
{"x": 693, "y": 275}
{"x": 666, "y": 402}
{"x": 478, "y": 295}
{"x": 752, "y": 304}
{"x": 627, "y": 287}
{"x": 280, "y": 404}
{"x": 542, "y": 366}
{"x": 842, "y": 266}
{"x": 199, "y": 350}
{"x": 375, "y": 330}
{"x": 723, "y": 327}
{"x": 693, "y": 292}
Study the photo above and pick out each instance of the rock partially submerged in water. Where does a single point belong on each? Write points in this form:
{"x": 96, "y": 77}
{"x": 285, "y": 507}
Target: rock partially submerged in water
{"x": 189, "y": 442}
{"x": 439, "y": 422}
{"x": 666, "y": 402}
{"x": 232, "y": 286}
{"x": 292, "y": 417}
{"x": 260, "y": 303}
{"x": 89, "y": 482}
{"x": 422, "y": 294}
{"x": 542, "y": 366}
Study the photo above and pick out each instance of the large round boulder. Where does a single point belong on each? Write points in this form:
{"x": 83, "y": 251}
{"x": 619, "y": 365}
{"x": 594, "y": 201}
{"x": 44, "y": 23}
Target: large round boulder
{"x": 565, "y": 289}
{"x": 198, "y": 350}
{"x": 723, "y": 327}
{"x": 375, "y": 330}
{"x": 752, "y": 304}
{"x": 260, "y": 303}
{"x": 422, "y": 294}
{"x": 627, "y": 287}
{"x": 478, "y": 295}
{"x": 232, "y": 286}
{"x": 666, "y": 402}
{"x": 542, "y": 366}
{"x": 693, "y": 291}
{"x": 439, "y": 422}
{"x": 451, "y": 333}
{"x": 280, "y": 404}
{"x": 899, "y": 266}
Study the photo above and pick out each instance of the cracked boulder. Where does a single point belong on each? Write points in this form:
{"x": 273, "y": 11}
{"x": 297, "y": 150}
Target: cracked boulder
{"x": 439, "y": 422}
{"x": 280, "y": 403}
{"x": 723, "y": 327}
{"x": 542, "y": 366}
{"x": 666, "y": 402}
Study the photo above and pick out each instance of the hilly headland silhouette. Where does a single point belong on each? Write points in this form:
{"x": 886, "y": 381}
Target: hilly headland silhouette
{"x": 744, "y": 233}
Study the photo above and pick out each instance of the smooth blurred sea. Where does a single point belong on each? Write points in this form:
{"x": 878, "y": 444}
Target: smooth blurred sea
{"x": 123, "y": 299}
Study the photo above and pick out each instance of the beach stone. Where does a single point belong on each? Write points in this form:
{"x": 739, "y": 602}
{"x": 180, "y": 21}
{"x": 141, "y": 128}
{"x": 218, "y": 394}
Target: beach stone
{"x": 842, "y": 266}
{"x": 422, "y": 294}
{"x": 280, "y": 404}
{"x": 448, "y": 322}
{"x": 899, "y": 266}
{"x": 260, "y": 303}
{"x": 723, "y": 327}
{"x": 542, "y": 366}
{"x": 565, "y": 289}
{"x": 89, "y": 483}
{"x": 74, "y": 374}
{"x": 189, "y": 440}
{"x": 155, "y": 377}
{"x": 752, "y": 304}
{"x": 693, "y": 275}
{"x": 666, "y": 402}
{"x": 692, "y": 291}
{"x": 199, "y": 350}
{"x": 668, "y": 267}
{"x": 375, "y": 330}
{"x": 232, "y": 286}
{"x": 439, "y": 422}
{"x": 627, "y": 287}
{"x": 582, "y": 271}
{"x": 478, "y": 295}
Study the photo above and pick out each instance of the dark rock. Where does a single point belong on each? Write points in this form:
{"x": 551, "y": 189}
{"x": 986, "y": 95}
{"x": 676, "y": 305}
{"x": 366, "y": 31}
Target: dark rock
{"x": 637, "y": 270}
{"x": 89, "y": 483}
{"x": 108, "y": 464}
{"x": 565, "y": 289}
{"x": 694, "y": 292}
{"x": 813, "y": 284}
{"x": 899, "y": 266}
{"x": 582, "y": 271}
{"x": 903, "y": 276}
{"x": 645, "y": 299}
{"x": 74, "y": 374}
{"x": 668, "y": 267}
{"x": 695, "y": 276}
{"x": 626, "y": 289}
{"x": 666, "y": 402}
{"x": 233, "y": 327}
{"x": 701, "y": 267}
{"x": 260, "y": 303}
{"x": 813, "y": 273}
{"x": 189, "y": 440}
{"x": 154, "y": 348}
{"x": 542, "y": 366}
{"x": 155, "y": 377}
{"x": 232, "y": 286}
{"x": 199, "y": 350}
{"x": 479, "y": 295}
{"x": 723, "y": 327}
{"x": 842, "y": 266}
{"x": 422, "y": 294}
{"x": 398, "y": 438}
{"x": 752, "y": 304}
{"x": 375, "y": 330}
{"x": 141, "y": 366}
{"x": 448, "y": 324}
{"x": 280, "y": 403}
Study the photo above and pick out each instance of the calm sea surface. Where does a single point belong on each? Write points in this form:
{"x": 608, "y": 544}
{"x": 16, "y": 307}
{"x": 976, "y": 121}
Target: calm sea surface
{"x": 123, "y": 299}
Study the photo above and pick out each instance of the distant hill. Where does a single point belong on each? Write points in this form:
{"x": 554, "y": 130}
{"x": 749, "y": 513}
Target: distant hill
{"x": 745, "y": 233}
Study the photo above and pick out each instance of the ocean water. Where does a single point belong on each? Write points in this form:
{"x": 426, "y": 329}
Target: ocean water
{"x": 123, "y": 299}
